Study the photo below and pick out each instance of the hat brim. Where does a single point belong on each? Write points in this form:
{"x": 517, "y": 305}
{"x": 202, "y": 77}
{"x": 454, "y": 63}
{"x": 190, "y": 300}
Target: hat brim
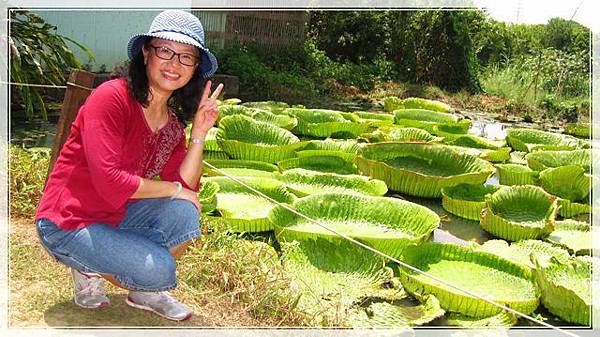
{"x": 208, "y": 64}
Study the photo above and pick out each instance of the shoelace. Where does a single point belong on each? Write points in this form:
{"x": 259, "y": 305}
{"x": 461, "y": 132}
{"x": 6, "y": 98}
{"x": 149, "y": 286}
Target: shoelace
{"x": 167, "y": 297}
{"x": 94, "y": 286}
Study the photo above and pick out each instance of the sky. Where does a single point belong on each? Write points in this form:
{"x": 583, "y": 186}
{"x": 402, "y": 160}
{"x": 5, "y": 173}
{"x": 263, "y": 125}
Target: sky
{"x": 539, "y": 11}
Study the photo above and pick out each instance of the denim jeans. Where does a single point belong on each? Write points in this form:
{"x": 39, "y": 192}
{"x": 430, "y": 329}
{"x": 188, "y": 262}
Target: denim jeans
{"x": 137, "y": 252}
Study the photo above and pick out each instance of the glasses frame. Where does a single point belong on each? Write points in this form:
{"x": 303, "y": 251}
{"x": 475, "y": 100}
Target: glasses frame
{"x": 175, "y": 54}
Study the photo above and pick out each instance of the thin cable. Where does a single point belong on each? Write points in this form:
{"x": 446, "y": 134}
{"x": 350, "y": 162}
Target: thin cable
{"x": 36, "y": 85}
{"x": 373, "y": 250}
{"x": 48, "y": 85}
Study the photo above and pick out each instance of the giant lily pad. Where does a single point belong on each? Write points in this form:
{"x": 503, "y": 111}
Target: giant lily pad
{"x": 331, "y": 277}
{"x": 515, "y": 174}
{"x": 230, "y": 110}
{"x": 345, "y": 149}
{"x": 207, "y": 196}
{"x": 231, "y": 101}
{"x": 519, "y": 212}
{"x": 499, "y": 155}
{"x": 348, "y": 146}
{"x": 520, "y": 251}
{"x": 397, "y": 314}
{"x": 400, "y": 134}
{"x": 527, "y": 140}
{"x": 305, "y": 182}
{"x": 427, "y": 104}
{"x": 485, "y": 274}
{"x": 241, "y": 168}
{"x": 375, "y": 119}
{"x": 503, "y": 319}
{"x": 425, "y": 119}
{"x": 327, "y": 163}
{"x": 574, "y": 235}
{"x": 541, "y": 160}
{"x": 421, "y": 169}
{"x": 477, "y": 142}
{"x": 569, "y": 209}
{"x": 451, "y": 130}
{"x": 579, "y": 129}
{"x": 282, "y": 121}
{"x": 386, "y": 224}
{"x": 466, "y": 200}
{"x": 566, "y": 287}
{"x": 244, "y": 210}
{"x": 243, "y": 138}
{"x": 392, "y": 103}
{"x": 518, "y": 157}
{"x": 327, "y": 123}
{"x": 568, "y": 182}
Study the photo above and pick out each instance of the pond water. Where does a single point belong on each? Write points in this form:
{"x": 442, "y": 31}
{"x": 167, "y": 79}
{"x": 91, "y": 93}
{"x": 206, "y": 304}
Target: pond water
{"x": 36, "y": 133}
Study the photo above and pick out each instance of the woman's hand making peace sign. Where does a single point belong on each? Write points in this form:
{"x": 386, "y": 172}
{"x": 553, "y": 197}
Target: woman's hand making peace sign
{"x": 207, "y": 112}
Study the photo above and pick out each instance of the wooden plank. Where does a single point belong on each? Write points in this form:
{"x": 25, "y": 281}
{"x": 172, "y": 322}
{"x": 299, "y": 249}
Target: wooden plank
{"x": 74, "y": 98}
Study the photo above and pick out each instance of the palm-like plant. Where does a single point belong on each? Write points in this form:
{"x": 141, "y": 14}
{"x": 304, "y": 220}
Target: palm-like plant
{"x": 39, "y": 56}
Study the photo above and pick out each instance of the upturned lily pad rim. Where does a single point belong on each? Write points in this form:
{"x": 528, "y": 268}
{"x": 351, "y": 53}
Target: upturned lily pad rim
{"x": 419, "y": 228}
{"x": 493, "y": 221}
{"x": 483, "y": 162}
{"x": 295, "y": 176}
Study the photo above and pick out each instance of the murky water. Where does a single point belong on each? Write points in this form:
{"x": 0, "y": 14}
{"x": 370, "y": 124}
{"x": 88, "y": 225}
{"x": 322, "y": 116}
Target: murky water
{"x": 32, "y": 134}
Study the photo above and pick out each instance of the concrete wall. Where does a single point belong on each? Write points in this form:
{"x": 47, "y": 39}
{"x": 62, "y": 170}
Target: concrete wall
{"x": 107, "y": 32}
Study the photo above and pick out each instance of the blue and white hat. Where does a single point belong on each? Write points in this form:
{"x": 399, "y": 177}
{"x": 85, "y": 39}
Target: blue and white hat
{"x": 178, "y": 26}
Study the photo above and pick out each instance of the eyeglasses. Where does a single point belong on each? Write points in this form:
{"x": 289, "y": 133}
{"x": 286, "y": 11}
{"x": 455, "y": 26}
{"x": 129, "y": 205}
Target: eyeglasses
{"x": 167, "y": 54}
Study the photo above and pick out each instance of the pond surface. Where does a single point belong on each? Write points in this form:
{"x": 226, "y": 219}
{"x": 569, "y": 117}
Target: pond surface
{"x": 36, "y": 133}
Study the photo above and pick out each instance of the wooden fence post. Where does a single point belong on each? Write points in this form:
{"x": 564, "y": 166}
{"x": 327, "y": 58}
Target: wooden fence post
{"x": 75, "y": 95}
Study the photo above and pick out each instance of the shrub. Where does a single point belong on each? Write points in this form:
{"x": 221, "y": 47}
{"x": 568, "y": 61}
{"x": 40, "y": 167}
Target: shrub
{"x": 27, "y": 177}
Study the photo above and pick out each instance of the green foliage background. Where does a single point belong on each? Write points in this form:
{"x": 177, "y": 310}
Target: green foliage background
{"x": 542, "y": 65}
{"x": 39, "y": 56}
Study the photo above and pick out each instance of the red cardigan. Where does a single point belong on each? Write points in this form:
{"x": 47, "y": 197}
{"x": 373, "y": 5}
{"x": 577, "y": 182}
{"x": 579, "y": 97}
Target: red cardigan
{"x": 109, "y": 148}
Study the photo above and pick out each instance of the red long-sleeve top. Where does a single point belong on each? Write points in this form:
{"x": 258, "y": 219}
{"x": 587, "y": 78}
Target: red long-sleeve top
{"x": 109, "y": 148}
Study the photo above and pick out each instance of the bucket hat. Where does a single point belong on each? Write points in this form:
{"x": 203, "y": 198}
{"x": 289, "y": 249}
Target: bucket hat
{"x": 178, "y": 26}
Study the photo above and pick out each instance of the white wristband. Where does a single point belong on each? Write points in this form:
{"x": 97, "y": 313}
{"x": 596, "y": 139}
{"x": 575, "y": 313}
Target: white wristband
{"x": 179, "y": 189}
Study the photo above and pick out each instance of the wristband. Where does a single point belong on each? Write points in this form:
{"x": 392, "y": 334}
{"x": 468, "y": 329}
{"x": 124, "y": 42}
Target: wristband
{"x": 196, "y": 140}
{"x": 179, "y": 189}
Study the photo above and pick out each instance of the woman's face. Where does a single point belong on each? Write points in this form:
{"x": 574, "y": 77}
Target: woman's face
{"x": 169, "y": 75}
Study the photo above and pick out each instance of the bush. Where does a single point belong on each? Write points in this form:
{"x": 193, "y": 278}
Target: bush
{"x": 298, "y": 73}
{"x": 567, "y": 110}
{"x": 27, "y": 177}
{"x": 39, "y": 56}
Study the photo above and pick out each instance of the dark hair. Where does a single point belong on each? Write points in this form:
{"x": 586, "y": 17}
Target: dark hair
{"x": 184, "y": 101}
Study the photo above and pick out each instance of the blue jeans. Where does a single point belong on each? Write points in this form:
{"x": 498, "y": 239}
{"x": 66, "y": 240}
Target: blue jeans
{"x": 137, "y": 252}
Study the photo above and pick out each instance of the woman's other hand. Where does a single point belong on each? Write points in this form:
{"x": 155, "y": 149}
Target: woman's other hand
{"x": 207, "y": 112}
{"x": 191, "y": 196}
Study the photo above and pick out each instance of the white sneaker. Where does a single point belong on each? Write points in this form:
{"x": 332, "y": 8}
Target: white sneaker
{"x": 160, "y": 303}
{"x": 87, "y": 289}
